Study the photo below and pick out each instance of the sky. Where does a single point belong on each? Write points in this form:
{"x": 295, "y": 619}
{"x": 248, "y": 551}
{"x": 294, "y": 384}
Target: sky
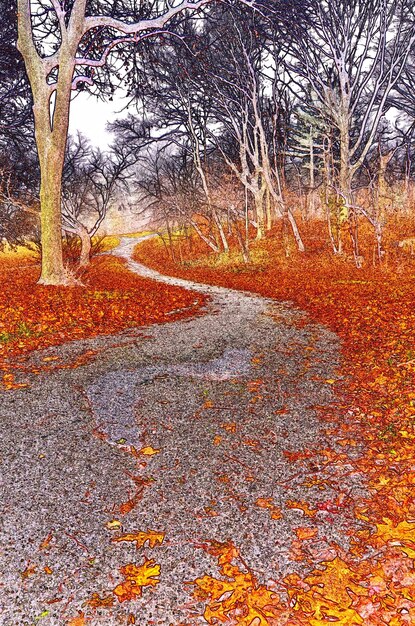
{"x": 90, "y": 116}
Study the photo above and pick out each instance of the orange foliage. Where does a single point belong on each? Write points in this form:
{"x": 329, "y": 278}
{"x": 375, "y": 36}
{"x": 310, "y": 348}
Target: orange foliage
{"x": 372, "y": 311}
{"x": 34, "y": 316}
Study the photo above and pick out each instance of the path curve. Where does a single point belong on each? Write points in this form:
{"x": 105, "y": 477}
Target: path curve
{"x": 225, "y": 398}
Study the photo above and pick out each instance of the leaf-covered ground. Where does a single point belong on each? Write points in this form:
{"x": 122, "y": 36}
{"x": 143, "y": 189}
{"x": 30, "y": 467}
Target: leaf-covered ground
{"x": 372, "y": 310}
{"x": 110, "y": 299}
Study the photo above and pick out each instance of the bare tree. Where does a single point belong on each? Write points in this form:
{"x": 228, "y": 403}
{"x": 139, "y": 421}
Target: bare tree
{"x": 237, "y": 80}
{"x": 62, "y": 48}
{"x": 352, "y": 53}
{"x": 15, "y": 100}
{"x": 90, "y": 182}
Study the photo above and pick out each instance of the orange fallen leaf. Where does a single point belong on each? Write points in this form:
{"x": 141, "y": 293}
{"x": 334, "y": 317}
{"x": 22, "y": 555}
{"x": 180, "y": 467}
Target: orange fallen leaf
{"x": 217, "y": 440}
{"x": 230, "y": 427}
{"x": 141, "y": 537}
{"x": 253, "y": 443}
{"x": 127, "y": 506}
{"x": 136, "y": 578}
{"x": 301, "y": 506}
{"x": 306, "y": 533}
{"x": 268, "y": 503}
{"x": 210, "y": 512}
{"x": 46, "y": 541}
{"x": 237, "y": 594}
{"x": 264, "y": 503}
{"x": 29, "y": 571}
{"x": 80, "y": 620}
{"x": 96, "y": 602}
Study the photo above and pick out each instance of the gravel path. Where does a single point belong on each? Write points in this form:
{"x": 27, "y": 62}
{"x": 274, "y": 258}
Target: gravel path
{"x": 223, "y": 397}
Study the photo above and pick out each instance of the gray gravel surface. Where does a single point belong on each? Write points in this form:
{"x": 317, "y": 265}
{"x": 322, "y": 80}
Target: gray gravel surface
{"x": 223, "y": 397}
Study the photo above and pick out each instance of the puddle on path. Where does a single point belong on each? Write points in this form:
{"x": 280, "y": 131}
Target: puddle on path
{"x": 114, "y": 395}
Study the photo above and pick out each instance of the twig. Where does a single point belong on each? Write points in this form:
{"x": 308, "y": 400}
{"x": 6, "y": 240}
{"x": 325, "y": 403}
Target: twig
{"x": 406, "y": 363}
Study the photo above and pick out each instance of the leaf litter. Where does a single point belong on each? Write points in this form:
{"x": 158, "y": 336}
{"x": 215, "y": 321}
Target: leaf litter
{"x": 374, "y": 582}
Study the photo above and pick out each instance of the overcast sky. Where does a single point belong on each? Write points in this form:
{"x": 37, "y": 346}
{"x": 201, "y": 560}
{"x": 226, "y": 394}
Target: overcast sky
{"x": 90, "y": 116}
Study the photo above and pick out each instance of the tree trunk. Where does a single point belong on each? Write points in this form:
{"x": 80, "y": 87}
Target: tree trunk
{"x": 86, "y": 245}
{"x": 51, "y": 132}
{"x": 345, "y": 184}
{"x": 311, "y": 194}
{"x": 259, "y": 210}
{"x": 268, "y": 209}
{"x": 53, "y": 271}
{"x": 51, "y": 137}
{"x": 219, "y": 226}
{"x": 296, "y": 232}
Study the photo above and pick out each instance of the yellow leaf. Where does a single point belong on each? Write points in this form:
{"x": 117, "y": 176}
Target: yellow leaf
{"x": 409, "y": 552}
{"x": 136, "y": 578}
{"x": 333, "y": 582}
{"x": 149, "y": 451}
{"x": 301, "y": 506}
{"x": 344, "y": 617}
{"x": 402, "y": 532}
{"x": 114, "y": 525}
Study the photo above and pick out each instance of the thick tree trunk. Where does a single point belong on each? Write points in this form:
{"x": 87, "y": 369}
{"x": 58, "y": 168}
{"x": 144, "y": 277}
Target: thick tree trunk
{"x": 53, "y": 271}
{"x": 51, "y": 132}
{"x": 51, "y": 138}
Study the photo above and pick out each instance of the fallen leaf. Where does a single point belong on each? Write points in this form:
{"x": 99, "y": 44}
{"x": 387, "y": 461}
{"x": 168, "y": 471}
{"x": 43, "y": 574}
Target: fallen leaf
{"x": 301, "y": 506}
{"x": 136, "y": 578}
{"x": 46, "y": 541}
{"x": 141, "y": 537}
{"x": 306, "y": 533}
{"x": 29, "y": 571}
{"x": 78, "y": 621}
{"x": 113, "y": 525}
{"x": 96, "y": 602}
{"x": 149, "y": 451}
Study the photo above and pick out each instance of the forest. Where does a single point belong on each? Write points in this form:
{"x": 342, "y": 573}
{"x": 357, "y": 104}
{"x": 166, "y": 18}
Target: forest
{"x": 226, "y": 391}
{"x": 243, "y": 118}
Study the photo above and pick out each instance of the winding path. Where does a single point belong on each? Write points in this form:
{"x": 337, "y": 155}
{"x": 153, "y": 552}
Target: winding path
{"x": 223, "y": 397}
